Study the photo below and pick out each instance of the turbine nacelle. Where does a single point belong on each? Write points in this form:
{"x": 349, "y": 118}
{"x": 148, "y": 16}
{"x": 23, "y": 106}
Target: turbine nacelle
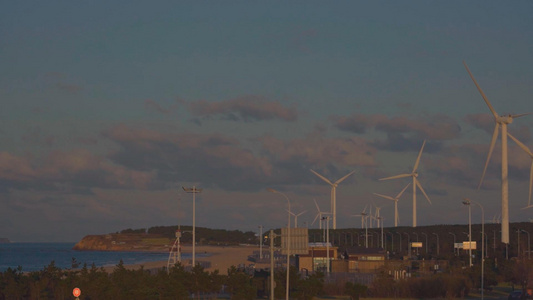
{"x": 504, "y": 119}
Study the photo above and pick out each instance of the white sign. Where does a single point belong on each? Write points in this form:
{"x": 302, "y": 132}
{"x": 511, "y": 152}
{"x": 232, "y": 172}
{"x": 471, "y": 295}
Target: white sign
{"x": 299, "y": 241}
{"x": 458, "y": 245}
{"x": 416, "y": 245}
{"x": 469, "y": 245}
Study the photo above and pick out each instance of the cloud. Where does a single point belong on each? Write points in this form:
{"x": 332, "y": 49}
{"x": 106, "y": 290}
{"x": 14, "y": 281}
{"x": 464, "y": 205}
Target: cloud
{"x": 13, "y": 168}
{"x": 246, "y": 108}
{"x": 320, "y": 151}
{"x": 75, "y": 171}
{"x": 230, "y": 164}
{"x": 402, "y": 133}
{"x": 151, "y": 105}
{"x": 212, "y": 159}
{"x": 484, "y": 122}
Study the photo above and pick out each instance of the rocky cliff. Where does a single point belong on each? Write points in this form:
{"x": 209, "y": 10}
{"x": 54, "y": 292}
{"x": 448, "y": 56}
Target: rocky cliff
{"x": 124, "y": 242}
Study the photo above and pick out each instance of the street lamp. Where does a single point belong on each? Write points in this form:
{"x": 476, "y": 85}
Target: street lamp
{"x": 400, "y": 242}
{"x": 288, "y": 238}
{"x": 467, "y": 202}
{"x": 260, "y": 242}
{"x": 327, "y": 244}
{"x": 518, "y": 243}
{"x": 193, "y": 191}
{"x": 453, "y": 242}
{"x": 391, "y": 241}
{"x": 408, "y": 244}
{"x": 424, "y": 234}
{"x": 482, "y": 240}
{"x": 528, "y": 244}
{"x": 438, "y": 245}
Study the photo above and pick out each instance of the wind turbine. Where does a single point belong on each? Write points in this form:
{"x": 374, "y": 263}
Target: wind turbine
{"x": 319, "y": 215}
{"x": 416, "y": 183}
{"x": 395, "y": 199}
{"x": 500, "y": 121}
{"x": 296, "y": 217}
{"x": 376, "y": 215}
{"x": 333, "y": 194}
{"x": 526, "y": 149}
{"x": 364, "y": 224}
{"x": 363, "y": 216}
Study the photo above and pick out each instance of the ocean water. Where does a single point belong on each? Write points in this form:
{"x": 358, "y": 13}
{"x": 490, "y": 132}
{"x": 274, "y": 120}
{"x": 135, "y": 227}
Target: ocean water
{"x": 36, "y": 256}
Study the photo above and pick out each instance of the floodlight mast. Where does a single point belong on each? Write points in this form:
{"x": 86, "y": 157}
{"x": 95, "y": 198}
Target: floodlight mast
{"x": 288, "y": 238}
{"x": 193, "y": 191}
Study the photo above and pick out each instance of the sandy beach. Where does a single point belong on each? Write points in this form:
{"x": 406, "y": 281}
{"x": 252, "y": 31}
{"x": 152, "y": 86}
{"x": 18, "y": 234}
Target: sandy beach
{"x": 221, "y": 257}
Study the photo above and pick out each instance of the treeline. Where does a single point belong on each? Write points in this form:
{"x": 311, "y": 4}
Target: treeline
{"x": 176, "y": 283}
{"x": 206, "y": 236}
{"x": 180, "y": 283}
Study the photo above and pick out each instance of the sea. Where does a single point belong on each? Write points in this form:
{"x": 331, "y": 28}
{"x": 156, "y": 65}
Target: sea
{"x": 36, "y": 256}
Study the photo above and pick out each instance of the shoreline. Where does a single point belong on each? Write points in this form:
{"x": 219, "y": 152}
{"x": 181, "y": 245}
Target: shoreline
{"x": 220, "y": 257}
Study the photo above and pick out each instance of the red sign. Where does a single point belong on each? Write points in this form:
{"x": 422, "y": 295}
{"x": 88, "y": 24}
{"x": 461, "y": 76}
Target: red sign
{"x": 76, "y": 292}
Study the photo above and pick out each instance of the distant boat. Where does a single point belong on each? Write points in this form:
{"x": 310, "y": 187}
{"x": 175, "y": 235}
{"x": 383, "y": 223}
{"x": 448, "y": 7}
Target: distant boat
{"x": 4, "y": 241}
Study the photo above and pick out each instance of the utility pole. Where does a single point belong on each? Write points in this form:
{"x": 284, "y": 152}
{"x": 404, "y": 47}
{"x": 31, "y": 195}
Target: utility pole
{"x": 193, "y": 191}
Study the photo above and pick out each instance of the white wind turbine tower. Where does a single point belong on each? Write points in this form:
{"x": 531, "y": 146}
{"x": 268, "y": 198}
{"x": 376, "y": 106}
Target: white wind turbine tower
{"x": 526, "y": 149}
{"x": 416, "y": 183}
{"x": 319, "y": 215}
{"x": 377, "y": 217}
{"x": 395, "y": 199}
{"x": 364, "y": 224}
{"x": 500, "y": 121}
{"x": 363, "y": 216}
{"x": 333, "y": 194}
{"x": 296, "y": 217}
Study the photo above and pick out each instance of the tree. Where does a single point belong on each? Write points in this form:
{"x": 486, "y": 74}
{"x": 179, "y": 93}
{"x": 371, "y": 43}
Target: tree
{"x": 239, "y": 285}
{"x": 355, "y": 290}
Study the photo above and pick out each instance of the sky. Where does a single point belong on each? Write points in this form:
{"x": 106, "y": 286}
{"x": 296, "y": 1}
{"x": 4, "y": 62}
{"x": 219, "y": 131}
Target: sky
{"x": 109, "y": 108}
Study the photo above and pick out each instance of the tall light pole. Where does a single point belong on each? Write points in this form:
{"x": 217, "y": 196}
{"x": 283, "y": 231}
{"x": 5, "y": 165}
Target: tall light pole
{"x": 408, "y": 244}
{"x": 453, "y": 242}
{"x": 467, "y": 203}
{"x": 416, "y": 241}
{"x": 381, "y": 225}
{"x": 193, "y": 191}
{"x": 528, "y": 245}
{"x": 391, "y": 241}
{"x": 327, "y": 245}
{"x": 482, "y": 240}
{"x": 400, "y": 242}
{"x": 438, "y": 245}
{"x": 260, "y": 242}
{"x": 424, "y": 234}
{"x": 288, "y": 238}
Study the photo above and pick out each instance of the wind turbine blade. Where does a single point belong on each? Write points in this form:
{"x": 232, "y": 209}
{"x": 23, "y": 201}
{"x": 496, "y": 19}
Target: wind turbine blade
{"x": 494, "y": 113}
{"x": 384, "y": 196}
{"x": 364, "y": 210}
{"x": 401, "y": 193}
{"x": 520, "y": 144}
{"x": 301, "y": 213}
{"x": 317, "y": 208}
{"x": 422, "y": 190}
{"x": 519, "y": 115}
{"x": 492, "y": 143}
{"x": 346, "y": 176}
{"x": 317, "y": 215}
{"x": 396, "y": 177}
{"x": 419, "y": 155}
{"x": 322, "y": 177}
